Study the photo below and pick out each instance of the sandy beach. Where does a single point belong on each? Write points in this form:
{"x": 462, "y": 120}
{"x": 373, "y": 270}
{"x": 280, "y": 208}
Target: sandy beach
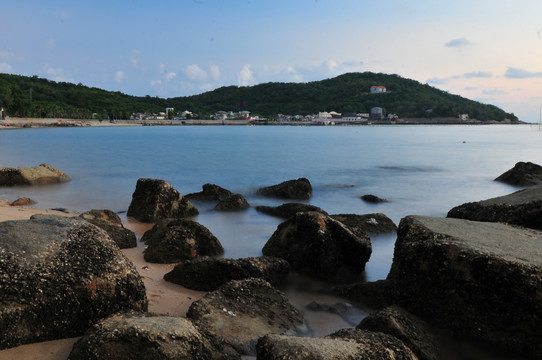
{"x": 164, "y": 297}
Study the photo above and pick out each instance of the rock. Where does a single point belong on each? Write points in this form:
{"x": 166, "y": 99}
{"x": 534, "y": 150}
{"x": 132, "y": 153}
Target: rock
{"x": 375, "y": 294}
{"x": 207, "y": 274}
{"x": 345, "y": 310}
{"x": 292, "y": 189}
{"x": 242, "y": 311}
{"x": 35, "y": 175}
{"x": 110, "y": 222}
{"x": 317, "y": 245}
{"x": 211, "y": 192}
{"x": 345, "y": 344}
{"x": 373, "y": 199}
{"x": 58, "y": 276}
{"x": 523, "y": 208}
{"x": 146, "y": 336}
{"x": 174, "y": 240}
{"x": 233, "y": 203}
{"x": 156, "y": 199}
{"x": 522, "y": 174}
{"x": 480, "y": 280}
{"x": 408, "y": 328}
{"x": 367, "y": 224}
{"x": 24, "y": 201}
{"x": 288, "y": 210}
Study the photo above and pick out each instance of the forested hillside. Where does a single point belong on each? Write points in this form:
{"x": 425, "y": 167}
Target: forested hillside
{"x": 23, "y": 96}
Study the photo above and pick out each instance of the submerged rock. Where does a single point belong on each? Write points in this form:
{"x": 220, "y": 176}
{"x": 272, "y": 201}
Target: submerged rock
{"x": 242, "y": 311}
{"x": 288, "y": 210}
{"x": 58, "y": 276}
{"x": 522, "y": 174}
{"x": 146, "y": 336}
{"x": 370, "y": 198}
{"x": 480, "y": 280}
{"x": 377, "y": 223}
{"x": 523, "y": 208}
{"x": 110, "y": 222}
{"x": 317, "y": 245}
{"x": 174, "y": 240}
{"x": 210, "y": 192}
{"x": 207, "y": 274}
{"x": 292, "y": 189}
{"x": 155, "y": 199}
{"x": 36, "y": 175}
{"x": 233, "y": 203}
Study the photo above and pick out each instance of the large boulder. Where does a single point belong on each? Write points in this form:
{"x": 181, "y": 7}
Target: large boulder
{"x": 174, "y": 240}
{"x": 131, "y": 335}
{"x": 342, "y": 345}
{"x": 155, "y": 199}
{"x": 207, "y": 274}
{"x": 210, "y": 192}
{"x": 522, "y": 174}
{"x": 524, "y": 208}
{"x": 292, "y": 189}
{"x": 480, "y": 280}
{"x": 35, "y": 175}
{"x": 110, "y": 222}
{"x": 377, "y": 223}
{"x": 23, "y": 201}
{"x": 408, "y": 328}
{"x": 58, "y": 276}
{"x": 242, "y": 311}
{"x": 234, "y": 202}
{"x": 317, "y": 245}
{"x": 286, "y": 211}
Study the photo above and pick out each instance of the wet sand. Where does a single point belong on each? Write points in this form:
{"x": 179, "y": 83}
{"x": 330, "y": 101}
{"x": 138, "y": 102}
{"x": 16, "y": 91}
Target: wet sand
{"x": 164, "y": 297}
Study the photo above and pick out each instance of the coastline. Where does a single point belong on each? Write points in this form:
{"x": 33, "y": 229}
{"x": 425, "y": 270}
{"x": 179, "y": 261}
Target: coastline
{"x": 164, "y": 297}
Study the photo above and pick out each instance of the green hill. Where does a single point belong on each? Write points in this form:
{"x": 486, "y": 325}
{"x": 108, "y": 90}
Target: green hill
{"x": 24, "y": 96}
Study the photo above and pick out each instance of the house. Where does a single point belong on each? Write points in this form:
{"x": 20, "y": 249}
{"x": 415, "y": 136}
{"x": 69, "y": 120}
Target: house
{"x": 464, "y": 117}
{"x": 377, "y": 89}
{"x": 377, "y": 113}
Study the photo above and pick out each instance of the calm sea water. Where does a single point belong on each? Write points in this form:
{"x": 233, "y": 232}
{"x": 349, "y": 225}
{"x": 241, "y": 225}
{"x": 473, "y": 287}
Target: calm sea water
{"x": 422, "y": 170}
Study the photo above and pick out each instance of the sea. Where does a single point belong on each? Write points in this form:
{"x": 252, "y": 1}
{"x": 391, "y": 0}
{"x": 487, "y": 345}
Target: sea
{"x": 419, "y": 169}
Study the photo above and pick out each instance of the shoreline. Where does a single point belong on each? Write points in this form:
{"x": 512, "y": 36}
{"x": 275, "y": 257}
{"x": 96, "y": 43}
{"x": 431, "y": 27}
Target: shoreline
{"x": 163, "y": 297}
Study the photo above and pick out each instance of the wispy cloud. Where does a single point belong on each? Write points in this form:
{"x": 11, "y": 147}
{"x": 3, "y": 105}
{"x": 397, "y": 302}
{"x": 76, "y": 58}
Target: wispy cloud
{"x": 246, "y": 76}
{"x": 478, "y": 74}
{"x": 5, "y": 67}
{"x": 457, "y": 43}
{"x": 56, "y": 74}
{"x": 119, "y": 76}
{"x": 437, "y": 81}
{"x": 51, "y": 43}
{"x": 171, "y": 75}
{"x": 195, "y": 73}
{"x": 9, "y": 56}
{"x": 516, "y": 73}
{"x": 215, "y": 72}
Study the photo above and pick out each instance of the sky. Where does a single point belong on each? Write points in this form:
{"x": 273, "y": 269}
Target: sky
{"x": 489, "y": 51}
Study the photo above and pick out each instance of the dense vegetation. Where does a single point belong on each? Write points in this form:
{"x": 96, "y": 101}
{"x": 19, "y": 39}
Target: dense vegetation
{"x": 24, "y": 96}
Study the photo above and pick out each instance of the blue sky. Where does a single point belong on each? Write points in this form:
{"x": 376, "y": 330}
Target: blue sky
{"x": 489, "y": 51}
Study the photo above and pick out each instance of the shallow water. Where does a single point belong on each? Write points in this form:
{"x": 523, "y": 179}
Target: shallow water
{"x": 423, "y": 170}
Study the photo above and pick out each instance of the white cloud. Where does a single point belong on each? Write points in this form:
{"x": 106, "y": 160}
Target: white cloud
{"x": 170, "y": 76}
{"x": 56, "y": 74}
{"x": 162, "y": 68}
{"x": 9, "y": 56}
{"x": 246, "y": 76}
{"x": 5, "y": 67}
{"x": 195, "y": 73}
{"x": 215, "y": 72}
{"x": 456, "y": 43}
{"x": 155, "y": 83}
{"x": 119, "y": 76}
{"x": 51, "y": 43}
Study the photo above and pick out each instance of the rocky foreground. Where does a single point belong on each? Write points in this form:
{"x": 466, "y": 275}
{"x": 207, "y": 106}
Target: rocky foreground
{"x": 476, "y": 280}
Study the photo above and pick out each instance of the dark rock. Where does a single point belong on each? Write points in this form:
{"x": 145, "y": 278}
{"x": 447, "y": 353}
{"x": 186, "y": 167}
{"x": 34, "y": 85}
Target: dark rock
{"x": 207, "y": 274}
{"x": 408, "y": 328}
{"x": 24, "y": 201}
{"x": 211, "y": 192}
{"x": 482, "y": 281}
{"x": 146, "y": 336}
{"x": 233, "y": 203}
{"x": 292, "y": 189}
{"x": 367, "y": 224}
{"x": 523, "y": 208}
{"x": 375, "y": 294}
{"x": 36, "y": 175}
{"x": 110, "y": 222}
{"x": 522, "y": 174}
{"x": 58, "y": 276}
{"x": 174, "y": 240}
{"x": 242, "y": 311}
{"x": 286, "y": 211}
{"x": 155, "y": 199}
{"x": 320, "y": 246}
{"x": 346, "y": 311}
{"x": 373, "y": 199}
{"x": 345, "y": 344}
